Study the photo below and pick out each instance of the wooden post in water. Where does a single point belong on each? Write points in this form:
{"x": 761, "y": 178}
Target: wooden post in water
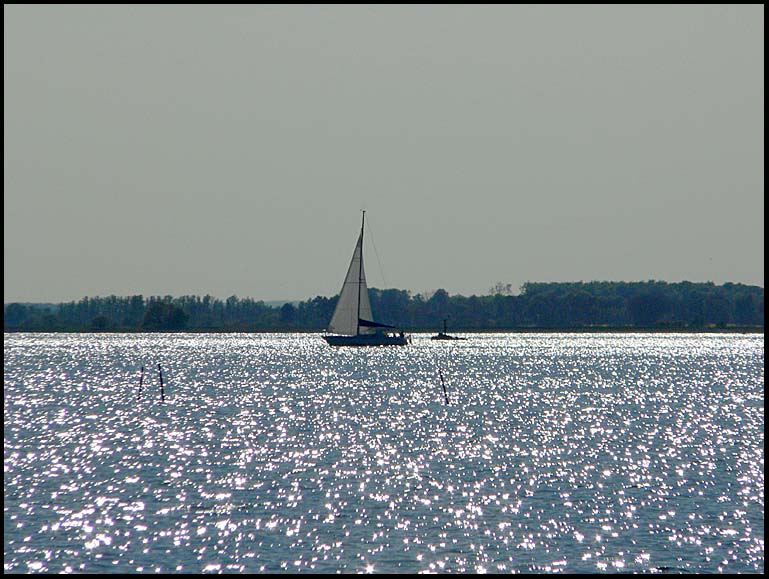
{"x": 446, "y": 394}
{"x": 141, "y": 380}
{"x": 162, "y": 394}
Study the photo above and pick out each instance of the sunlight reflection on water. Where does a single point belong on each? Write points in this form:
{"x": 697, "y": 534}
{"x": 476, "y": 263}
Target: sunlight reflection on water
{"x": 277, "y": 453}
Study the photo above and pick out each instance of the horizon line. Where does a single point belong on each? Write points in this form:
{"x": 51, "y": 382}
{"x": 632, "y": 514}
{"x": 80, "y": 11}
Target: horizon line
{"x": 411, "y": 292}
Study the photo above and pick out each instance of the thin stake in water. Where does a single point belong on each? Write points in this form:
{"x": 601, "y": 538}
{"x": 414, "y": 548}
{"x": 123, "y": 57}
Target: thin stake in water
{"x": 446, "y": 394}
{"x": 141, "y": 380}
{"x": 162, "y": 394}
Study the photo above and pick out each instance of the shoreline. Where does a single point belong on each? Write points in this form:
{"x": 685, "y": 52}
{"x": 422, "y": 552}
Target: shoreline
{"x": 577, "y": 330}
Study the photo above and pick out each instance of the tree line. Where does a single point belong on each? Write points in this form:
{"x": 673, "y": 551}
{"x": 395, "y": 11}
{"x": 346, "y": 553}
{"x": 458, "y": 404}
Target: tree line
{"x": 578, "y": 305}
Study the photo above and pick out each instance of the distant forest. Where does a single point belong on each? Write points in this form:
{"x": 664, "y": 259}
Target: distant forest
{"x": 545, "y": 306}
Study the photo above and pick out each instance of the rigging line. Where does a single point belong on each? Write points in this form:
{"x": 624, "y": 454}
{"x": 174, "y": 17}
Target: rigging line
{"x": 371, "y": 237}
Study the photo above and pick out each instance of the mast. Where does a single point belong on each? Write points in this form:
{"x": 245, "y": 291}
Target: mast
{"x": 360, "y": 273}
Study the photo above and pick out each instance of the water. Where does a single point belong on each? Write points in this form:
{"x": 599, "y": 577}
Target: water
{"x": 277, "y": 453}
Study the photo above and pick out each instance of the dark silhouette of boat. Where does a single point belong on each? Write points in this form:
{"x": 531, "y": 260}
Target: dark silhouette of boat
{"x": 444, "y": 336}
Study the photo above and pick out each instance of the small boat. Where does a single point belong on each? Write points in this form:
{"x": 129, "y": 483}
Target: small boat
{"x": 444, "y": 336}
{"x": 352, "y": 323}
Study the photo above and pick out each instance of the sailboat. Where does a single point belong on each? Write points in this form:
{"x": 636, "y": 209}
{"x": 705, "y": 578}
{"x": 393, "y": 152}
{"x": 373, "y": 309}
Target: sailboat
{"x": 352, "y": 323}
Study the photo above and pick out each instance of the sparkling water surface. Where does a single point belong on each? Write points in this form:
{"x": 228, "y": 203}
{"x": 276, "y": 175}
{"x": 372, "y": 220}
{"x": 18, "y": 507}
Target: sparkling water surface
{"x": 277, "y": 453}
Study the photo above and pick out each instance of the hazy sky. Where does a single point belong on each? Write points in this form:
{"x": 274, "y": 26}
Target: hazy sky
{"x": 228, "y": 150}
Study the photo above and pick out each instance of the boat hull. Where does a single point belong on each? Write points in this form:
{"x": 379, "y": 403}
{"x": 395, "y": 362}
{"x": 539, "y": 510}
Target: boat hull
{"x": 367, "y": 340}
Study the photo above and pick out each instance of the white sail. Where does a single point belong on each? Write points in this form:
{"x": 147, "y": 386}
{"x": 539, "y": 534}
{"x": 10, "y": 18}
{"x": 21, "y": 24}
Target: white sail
{"x": 353, "y": 300}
